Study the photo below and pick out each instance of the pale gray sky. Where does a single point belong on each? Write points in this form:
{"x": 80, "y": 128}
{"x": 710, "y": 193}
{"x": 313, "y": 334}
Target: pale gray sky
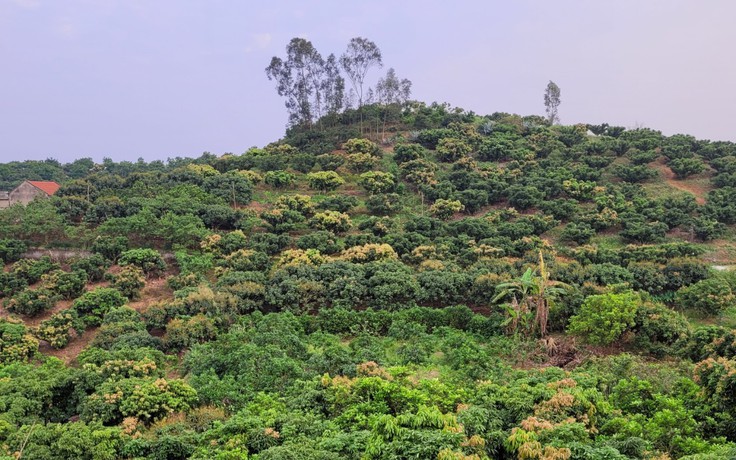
{"x": 164, "y": 78}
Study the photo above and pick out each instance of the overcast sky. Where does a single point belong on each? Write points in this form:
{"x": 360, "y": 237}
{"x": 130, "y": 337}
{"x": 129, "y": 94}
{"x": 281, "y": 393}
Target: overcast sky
{"x": 156, "y": 79}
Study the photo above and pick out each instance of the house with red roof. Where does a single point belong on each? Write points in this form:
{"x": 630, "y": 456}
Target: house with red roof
{"x": 28, "y": 191}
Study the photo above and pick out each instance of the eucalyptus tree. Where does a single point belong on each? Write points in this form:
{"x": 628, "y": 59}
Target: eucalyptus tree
{"x": 552, "y": 102}
{"x": 392, "y": 93}
{"x": 361, "y": 55}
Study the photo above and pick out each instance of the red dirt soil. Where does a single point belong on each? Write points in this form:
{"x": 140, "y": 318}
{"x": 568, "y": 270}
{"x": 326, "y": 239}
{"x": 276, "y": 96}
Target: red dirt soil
{"x": 686, "y": 186}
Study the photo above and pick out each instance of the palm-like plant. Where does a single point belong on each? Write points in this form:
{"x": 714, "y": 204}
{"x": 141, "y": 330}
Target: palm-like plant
{"x": 531, "y": 292}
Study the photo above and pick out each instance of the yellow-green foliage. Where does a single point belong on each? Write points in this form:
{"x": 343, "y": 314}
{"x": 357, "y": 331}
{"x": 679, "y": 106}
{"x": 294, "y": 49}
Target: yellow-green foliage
{"x": 16, "y": 344}
{"x": 333, "y": 221}
{"x": 369, "y": 253}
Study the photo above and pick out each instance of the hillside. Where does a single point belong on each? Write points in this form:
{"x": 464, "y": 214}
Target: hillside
{"x": 414, "y": 282}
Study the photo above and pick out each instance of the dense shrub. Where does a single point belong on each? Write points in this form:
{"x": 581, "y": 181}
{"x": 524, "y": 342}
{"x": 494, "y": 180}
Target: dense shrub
{"x": 579, "y": 233}
{"x": 684, "y": 271}
{"x": 31, "y": 302}
{"x": 524, "y": 197}
{"x": 408, "y": 152}
{"x": 129, "y": 281}
{"x": 329, "y": 161}
{"x": 148, "y": 260}
{"x": 384, "y": 204}
{"x": 11, "y": 250}
{"x": 659, "y": 329}
{"x": 634, "y": 173}
{"x": 57, "y": 329}
{"x": 684, "y": 167}
{"x": 32, "y": 270}
{"x": 110, "y": 247}
{"x": 278, "y": 179}
{"x": 324, "y": 181}
{"x": 65, "y": 284}
{"x": 360, "y": 162}
{"x": 94, "y": 266}
{"x": 10, "y": 283}
{"x": 603, "y": 318}
{"x": 183, "y": 333}
{"x": 450, "y": 149}
{"x": 445, "y": 209}
{"x": 340, "y": 203}
{"x": 709, "y": 296}
{"x": 16, "y": 344}
{"x": 361, "y": 145}
{"x": 93, "y": 305}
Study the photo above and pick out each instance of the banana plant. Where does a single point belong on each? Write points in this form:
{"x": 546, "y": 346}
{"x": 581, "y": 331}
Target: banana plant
{"x": 534, "y": 292}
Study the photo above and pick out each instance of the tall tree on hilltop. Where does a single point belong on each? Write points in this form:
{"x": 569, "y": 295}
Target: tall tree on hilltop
{"x": 361, "y": 55}
{"x": 333, "y": 86}
{"x": 552, "y": 102}
{"x": 392, "y": 92}
{"x": 299, "y": 80}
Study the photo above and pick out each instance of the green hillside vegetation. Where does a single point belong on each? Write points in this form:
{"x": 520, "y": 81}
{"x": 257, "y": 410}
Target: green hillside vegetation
{"x": 398, "y": 281}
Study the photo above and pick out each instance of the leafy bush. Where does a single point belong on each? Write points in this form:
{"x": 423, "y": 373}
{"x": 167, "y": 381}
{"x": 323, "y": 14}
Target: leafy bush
{"x": 684, "y": 167}
{"x": 359, "y": 145}
{"x": 360, "y": 162}
{"x": 333, "y": 221}
{"x": 16, "y": 344}
{"x": 31, "y": 302}
{"x": 110, "y": 247}
{"x": 684, "y": 271}
{"x": 11, "y": 250}
{"x": 376, "y": 182}
{"x": 247, "y": 260}
{"x": 299, "y": 203}
{"x": 329, "y": 161}
{"x": 648, "y": 276}
{"x": 450, "y": 149}
{"x": 603, "y": 318}
{"x": 278, "y": 179}
{"x": 640, "y": 231}
{"x": 709, "y": 297}
{"x": 707, "y": 229}
{"x": 580, "y": 233}
{"x": 444, "y": 209}
{"x": 148, "y": 401}
{"x": 340, "y": 203}
{"x": 524, "y": 197}
{"x": 56, "y": 330}
{"x": 634, "y": 173}
{"x": 183, "y": 333}
{"x": 282, "y": 220}
{"x": 148, "y": 260}
{"x": 383, "y": 204}
{"x": 94, "y": 266}
{"x": 129, "y": 281}
{"x": 324, "y": 180}
{"x": 32, "y": 270}
{"x": 10, "y": 283}
{"x": 66, "y": 285}
{"x": 93, "y": 305}
{"x": 323, "y": 241}
{"x": 302, "y": 162}
{"x": 658, "y": 329}
{"x": 408, "y": 152}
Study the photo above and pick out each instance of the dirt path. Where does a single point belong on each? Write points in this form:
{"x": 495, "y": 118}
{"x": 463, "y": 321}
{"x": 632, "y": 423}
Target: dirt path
{"x": 685, "y": 185}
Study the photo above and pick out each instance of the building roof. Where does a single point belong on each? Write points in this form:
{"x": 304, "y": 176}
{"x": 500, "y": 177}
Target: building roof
{"x": 4, "y": 196}
{"x": 48, "y": 187}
